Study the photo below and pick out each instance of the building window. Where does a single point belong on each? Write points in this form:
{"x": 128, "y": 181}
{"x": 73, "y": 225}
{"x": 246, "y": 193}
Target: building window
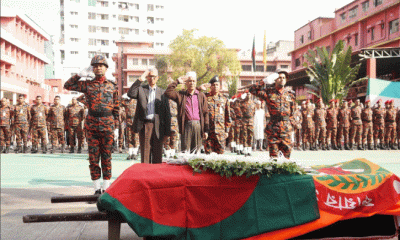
{"x": 353, "y": 12}
{"x": 372, "y": 34}
{"x": 271, "y": 68}
{"x": 104, "y": 4}
{"x": 132, "y": 78}
{"x": 356, "y": 40}
{"x": 342, "y": 17}
{"x": 105, "y": 29}
{"x": 152, "y": 62}
{"x": 103, "y": 16}
{"x": 91, "y": 54}
{"x": 393, "y": 26}
{"x": 92, "y": 15}
{"x": 92, "y": 42}
{"x": 74, "y": 52}
{"x": 92, "y": 29}
{"x": 284, "y": 66}
{"x": 135, "y": 6}
{"x": 150, "y": 7}
{"x": 297, "y": 62}
{"x": 74, "y": 26}
{"x": 144, "y": 62}
{"x": 302, "y": 39}
{"x": 92, "y": 3}
{"x": 136, "y": 31}
{"x": 246, "y": 68}
{"x": 104, "y": 42}
{"x": 309, "y": 35}
{"x": 135, "y": 61}
{"x": 150, "y": 20}
{"x": 123, "y": 18}
{"x": 365, "y": 6}
{"x": 74, "y": 13}
{"x": 259, "y": 68}
{"x": 377, "y": 2}
{"x": 136, "y": 19}
{"x": 74, "y": 39}
{"x": 150, "y": 32}
{"x": 123, "y": 5}
{"x": 123, "y": 30}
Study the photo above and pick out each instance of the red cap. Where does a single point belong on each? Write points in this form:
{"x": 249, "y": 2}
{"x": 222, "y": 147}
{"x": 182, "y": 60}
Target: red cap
{"x": 387, "y": 102}
{"x": 350, "y": 101}
{"x": 367, "y": 101}
{"x": 392, "y": 101}
{"x": 239, "y": 95}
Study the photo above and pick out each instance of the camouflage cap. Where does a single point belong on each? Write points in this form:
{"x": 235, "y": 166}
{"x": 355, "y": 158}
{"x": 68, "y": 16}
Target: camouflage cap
{"x": 99, "y": 59}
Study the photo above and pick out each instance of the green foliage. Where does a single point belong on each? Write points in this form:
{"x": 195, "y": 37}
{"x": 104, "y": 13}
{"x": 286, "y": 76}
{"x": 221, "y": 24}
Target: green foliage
{"x": 232, "y": 85}
{"x": 162, "y": 67}
{"x": 331, "y": 74}
{"x": 207, "y": 56}
{"x": 229, "y": 169}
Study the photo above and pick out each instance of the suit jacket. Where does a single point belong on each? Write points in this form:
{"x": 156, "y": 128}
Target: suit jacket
{"x": 162, "y": 115}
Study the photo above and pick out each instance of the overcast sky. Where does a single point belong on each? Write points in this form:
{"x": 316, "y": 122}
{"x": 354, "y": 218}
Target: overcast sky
{"x": 234, "y": 22}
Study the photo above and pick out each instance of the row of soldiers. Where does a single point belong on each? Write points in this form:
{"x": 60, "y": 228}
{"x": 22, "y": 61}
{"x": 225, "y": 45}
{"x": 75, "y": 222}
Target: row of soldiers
{"x": 357, "y": 126}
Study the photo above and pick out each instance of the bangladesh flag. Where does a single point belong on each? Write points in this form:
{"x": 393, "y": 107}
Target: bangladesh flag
{"x": 170, "y": 201}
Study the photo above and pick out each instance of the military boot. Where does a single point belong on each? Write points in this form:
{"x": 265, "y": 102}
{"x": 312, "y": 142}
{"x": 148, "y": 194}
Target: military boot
{"x": 370, "y": 147}
{"x": 392, "y": 146}
{"x": 62, "y": 148}
{"x": 18, "y": 149}
{"x": 360, "y": 147}
{"x": 328, "y": 147}
{"x": 25, "y": 149}
{"x": 34, "y": 149}
{"x": 52, "y": 149}
{"x": 304, "y": 146}
{"x": 79, "y": 149}
{"x": 7, "y": 149}
{"x": 72, "y": 149}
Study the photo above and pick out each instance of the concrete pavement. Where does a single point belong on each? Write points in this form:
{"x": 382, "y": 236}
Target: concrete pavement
{"x": 28, "y": 181}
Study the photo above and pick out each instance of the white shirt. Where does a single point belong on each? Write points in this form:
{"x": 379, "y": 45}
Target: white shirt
{"x": 259, "y": 118}
{"x": 151, "y": 102}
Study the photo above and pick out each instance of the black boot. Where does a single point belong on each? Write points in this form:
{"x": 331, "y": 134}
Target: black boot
{"x": 129, "y": 157}
{"x": 52, "y": 149}
{"x": 392, "y": 146}
{"x": 346, "y": 147}
{"x": 18, "y": 149}
{"x": 25, "y": 149}
{"x": 328, "y": 147}
{"x": 44, "y": 148}
{"x": 360, "y": 147}
{"x": 7, "y": 149}
{"x": 34, "y": 149}
{"x": 304, "y": 147}
{"x": 370, "y": 147}
{"x": 79, "y": 149}
{"x": 375, "y": 146}
{"x": 62, "y": 148}
{"x": 2, "y": 149}
{"x": 72, "y": 150}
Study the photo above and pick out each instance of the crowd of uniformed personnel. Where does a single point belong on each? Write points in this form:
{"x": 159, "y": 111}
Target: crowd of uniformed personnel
{"x": 316, "y": 126}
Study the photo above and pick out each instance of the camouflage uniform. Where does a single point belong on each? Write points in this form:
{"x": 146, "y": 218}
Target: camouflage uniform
{"x": 22, "y": 117}
{"x": 231, "y": 137}
{"x": 38, "y": 126}
{"x": 378, "y": 115}
{"x": 390, "y": 127}
{"x": 356, "y": 127}
{"x": 308, "y": 127}
{"x": 56, "y": 118}
{"x": 398, "y": 129}
{"x": 297, "y": 122}
{"x": 220, "y": 122}
{"x": 344, "y": 125}
{"x": 131, "y": 137}
{"x": 366, "y": 117}
{"x": 74, "y": 117}
{"x": 320, "y": 127}
{"x": 238, "y": 125}
{"x": 331, "y": 126}
{"x": 6, "y": 113}
{"x": 103, "y": 104}
{"x": 172, "y": 141}
{"x": 281, "y": 108}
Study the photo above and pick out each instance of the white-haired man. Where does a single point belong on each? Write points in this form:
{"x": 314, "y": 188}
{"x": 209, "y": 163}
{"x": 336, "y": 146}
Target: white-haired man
{"x": 193, "y": 119}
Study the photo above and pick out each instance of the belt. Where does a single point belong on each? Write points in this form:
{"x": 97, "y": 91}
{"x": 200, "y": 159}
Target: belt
{"x": 390, "y": 121}
{"x": 149, "y": 120}
{"x": 356, "y": 118}
{"x": 100, "y": 114}
{"x": 192, "y": 121}
{"x": 279, "y": 118}
{"x": 368, "y": 121}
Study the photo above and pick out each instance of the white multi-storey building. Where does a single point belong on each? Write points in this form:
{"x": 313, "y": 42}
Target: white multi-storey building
{"x": 90, "y": 27}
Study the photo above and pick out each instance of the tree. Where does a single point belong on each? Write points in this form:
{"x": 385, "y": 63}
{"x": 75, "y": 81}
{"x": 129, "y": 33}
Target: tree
{"x": 331, "y": 74}
{"x": 207, "y": 56}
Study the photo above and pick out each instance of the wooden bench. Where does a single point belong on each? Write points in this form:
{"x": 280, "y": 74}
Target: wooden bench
{"x": 114, "y": 220}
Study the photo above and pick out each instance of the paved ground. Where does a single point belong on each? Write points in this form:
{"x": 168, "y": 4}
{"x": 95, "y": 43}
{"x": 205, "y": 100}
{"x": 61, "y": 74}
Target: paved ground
{"x": 29, "y": 180}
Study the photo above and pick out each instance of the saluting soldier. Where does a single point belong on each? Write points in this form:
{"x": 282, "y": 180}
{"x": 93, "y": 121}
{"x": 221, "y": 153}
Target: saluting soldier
{"x": 344, "y": 125}
{"x": 6, "y": 113}
{"x": 331, "y": 125}
{"x": 248, "y": 109}
{"x": 131, "y": 137}
{"x": 366, "y": 117}
{"x": 103, "y": 105}
{"x": 356, "y": 126}
{"x": 320, "y": 125}
{"x": 74, "y": 118}
{"x": 379, "y": 125}
{"x": 280, "y": 103}
{"x": 56, "y": 118}
{"x": 390, "y": 125}
{"x": 297, "y": 122}
{"x": 22, "y": 117}
{"x": 38, "y": 124}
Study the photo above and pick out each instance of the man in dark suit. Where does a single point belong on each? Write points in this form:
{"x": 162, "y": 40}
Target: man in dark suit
{"x": 152, "y": 118}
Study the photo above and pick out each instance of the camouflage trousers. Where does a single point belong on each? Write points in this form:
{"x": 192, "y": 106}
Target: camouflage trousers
{"x": 343, "y": 132}
{"x": 237, "y": 132}
{"x": 75, "y": 132}
{"x": 331, "y": 135}
{"x": 367, "y": 133}
{"x": 39, "y": 132}
{"x": 132, "y": 138}
{"x": 390, "y": 134}
{"x": 247, "y": 133}
{"x": 213, "y": 144}
{"x": 308, "y": 135}
{"x": 5, "y": 136}
{"x": 231, "y": 137}
{"x": 100, "y": 145}
{"x": 297, "y": 136}
{"x": 379, "y": 131}
{"x": 21, "y": 134}
{"x": 279, "y": 138}
{"x": 356, "y": 134}
{"x": 320, "y": 135}
{"x": 121, "y": 134}
{"x": 57, "y": 136}
{"x": 172, "y": 141}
